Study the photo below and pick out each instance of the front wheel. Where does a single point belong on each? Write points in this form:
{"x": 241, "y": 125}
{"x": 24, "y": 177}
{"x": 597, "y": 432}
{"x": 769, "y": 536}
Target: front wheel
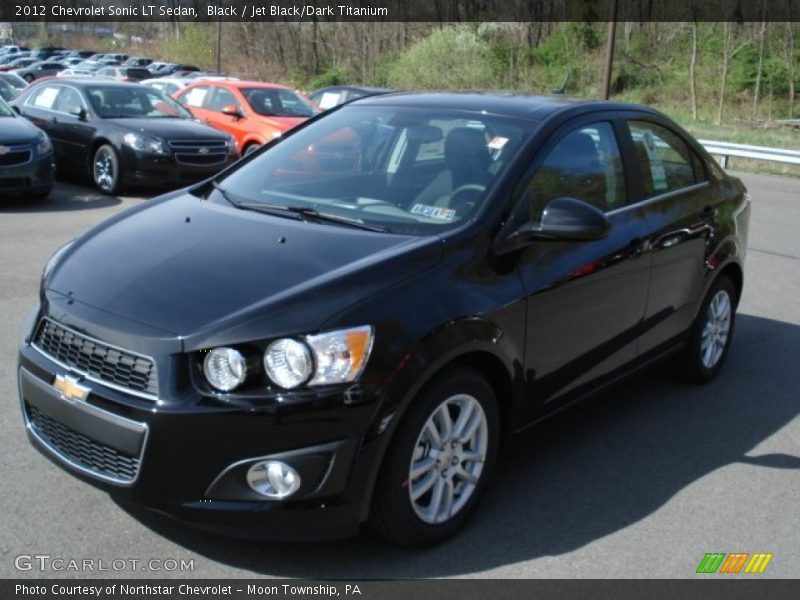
{"x": 440, "y": 460}
{"x": 105, "y": 170}
{"x": 710, "y": 336}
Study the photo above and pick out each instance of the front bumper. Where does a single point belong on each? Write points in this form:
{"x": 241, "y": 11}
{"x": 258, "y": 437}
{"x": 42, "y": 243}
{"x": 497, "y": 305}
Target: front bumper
{"x": 33, "y": 177}
{"x": 188, "y": 459}
{"x": 157, "y": 171}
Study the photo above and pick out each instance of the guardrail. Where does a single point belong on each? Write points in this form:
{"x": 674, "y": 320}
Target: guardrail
{"x": 725, "y": 150}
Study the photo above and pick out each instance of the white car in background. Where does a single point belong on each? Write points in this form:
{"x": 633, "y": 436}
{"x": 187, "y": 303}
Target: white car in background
{"x": 75, "y": 73}
{"x": 168, "y": 85}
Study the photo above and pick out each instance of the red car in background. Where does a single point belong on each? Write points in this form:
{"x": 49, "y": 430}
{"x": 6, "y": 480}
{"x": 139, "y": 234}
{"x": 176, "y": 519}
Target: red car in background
{"x": 254, "y": 113}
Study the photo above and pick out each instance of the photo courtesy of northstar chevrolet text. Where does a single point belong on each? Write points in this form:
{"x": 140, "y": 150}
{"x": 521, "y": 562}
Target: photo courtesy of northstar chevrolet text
{"x": 430, "y": 284}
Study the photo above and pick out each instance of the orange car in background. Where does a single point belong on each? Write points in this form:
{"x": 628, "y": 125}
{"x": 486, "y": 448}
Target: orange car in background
{"x": 254, "y": 113}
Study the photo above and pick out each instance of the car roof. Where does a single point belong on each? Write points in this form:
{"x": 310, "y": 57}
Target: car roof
{"x": 235, "y": 83}
{"x": 527, "y": 106}
{"x": 84, "y": 82}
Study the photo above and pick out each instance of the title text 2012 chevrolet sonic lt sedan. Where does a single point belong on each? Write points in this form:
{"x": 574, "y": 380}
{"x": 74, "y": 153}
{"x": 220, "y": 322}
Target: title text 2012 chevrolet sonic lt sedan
{"x": 342, "y": 327}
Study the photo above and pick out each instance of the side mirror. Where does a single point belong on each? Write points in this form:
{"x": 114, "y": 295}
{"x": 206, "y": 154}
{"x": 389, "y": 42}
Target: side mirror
{"x": 16, "y": 109}
{"x": 232, "y": 111}
{"x": 563, "y": 219}
{"x": 79, "y": 112}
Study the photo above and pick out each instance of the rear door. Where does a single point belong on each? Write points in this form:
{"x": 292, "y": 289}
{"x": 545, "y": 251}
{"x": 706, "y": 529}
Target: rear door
{"x": 680, "y": 208}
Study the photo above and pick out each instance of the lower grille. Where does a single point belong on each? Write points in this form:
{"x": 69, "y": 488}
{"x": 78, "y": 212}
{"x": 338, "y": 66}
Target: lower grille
{"x": 15, "y": 155}
{"x": 105, "y": 363}
{"x": 79, "y": 449}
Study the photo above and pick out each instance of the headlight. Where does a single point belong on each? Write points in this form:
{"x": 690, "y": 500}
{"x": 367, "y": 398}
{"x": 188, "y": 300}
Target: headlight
{"x": 43, "y": 145}
{"x": 51, "y": 264}
{"x": 333, "y": 357}
{"x": 142, "y": 143}
{"x": 225, "y": 368}
{"x": 288, "y": 363}
{"x": 233, "y": 150}
{"x": 340, "y": 356}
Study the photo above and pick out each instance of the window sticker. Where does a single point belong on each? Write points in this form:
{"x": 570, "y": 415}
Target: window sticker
{"x": 329, "y": 100}
{"x": 434, "y": 212}
{"x": 656, "y": 164}
{"x": 497, "y": 142}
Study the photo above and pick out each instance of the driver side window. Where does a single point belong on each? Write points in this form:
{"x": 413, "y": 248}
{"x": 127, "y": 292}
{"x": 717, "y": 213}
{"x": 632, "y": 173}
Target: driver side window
{"x": 586, "y": 165}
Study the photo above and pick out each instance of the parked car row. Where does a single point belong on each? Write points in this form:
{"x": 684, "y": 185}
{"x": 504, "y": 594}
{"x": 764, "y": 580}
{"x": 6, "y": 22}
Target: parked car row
{"x": 181, "y": 125}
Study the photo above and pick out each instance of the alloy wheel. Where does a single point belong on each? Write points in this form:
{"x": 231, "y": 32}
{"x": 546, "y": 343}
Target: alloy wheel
{"x": 104, "y": 174}
{"x": 448, "y": 459}
{"x": 715, "y": 329}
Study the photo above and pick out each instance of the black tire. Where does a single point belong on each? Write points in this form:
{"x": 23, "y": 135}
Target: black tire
{"x": 393, "y": 516}
{"x": 110, "y": 185}
{"x": 29, "y": 78}
{"x": 690, "y": 365}
{"x": 250, "y": 148}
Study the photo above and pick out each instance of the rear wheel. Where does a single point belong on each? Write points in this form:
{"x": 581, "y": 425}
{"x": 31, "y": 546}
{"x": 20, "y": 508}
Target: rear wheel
{"x": 441, "y": 458}
{"x": 105, "y": 170}
{"x": 710, "y": 336}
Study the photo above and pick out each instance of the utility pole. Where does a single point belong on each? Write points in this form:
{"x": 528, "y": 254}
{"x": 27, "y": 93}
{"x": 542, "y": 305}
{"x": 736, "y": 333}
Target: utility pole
{"x": 219, "y": 46}
{"x": 612, "y": 33}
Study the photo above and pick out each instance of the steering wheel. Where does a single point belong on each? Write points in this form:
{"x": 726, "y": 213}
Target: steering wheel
{"x": 468, "y": 193}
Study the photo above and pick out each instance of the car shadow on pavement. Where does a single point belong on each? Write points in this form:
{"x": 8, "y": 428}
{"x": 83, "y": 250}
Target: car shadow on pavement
{"x": 64, "y": 197}
{"x": 583, "y": 475}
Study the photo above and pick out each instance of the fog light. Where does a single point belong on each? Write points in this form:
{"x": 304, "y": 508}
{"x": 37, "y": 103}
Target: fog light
{"x": 273, "y": 479}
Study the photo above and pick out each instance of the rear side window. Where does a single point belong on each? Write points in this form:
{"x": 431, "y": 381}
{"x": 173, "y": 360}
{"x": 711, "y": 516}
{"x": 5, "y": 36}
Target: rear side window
{"x": 44, "y": 98}
{"x": 665, "y": 161}
{"x": 586, "y": 165}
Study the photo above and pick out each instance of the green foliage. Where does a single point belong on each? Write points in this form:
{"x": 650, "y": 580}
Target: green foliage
{"x": 449, "y": 58}
{"x": 195, "y": 45}
{"x": 333, "y": 76}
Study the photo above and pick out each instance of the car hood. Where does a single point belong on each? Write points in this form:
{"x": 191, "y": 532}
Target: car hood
{"x": 212, "y": 274}
{"x": 170, "y": 128}
{"x": 14, "y": 130}
{"x": 282, "y": 123}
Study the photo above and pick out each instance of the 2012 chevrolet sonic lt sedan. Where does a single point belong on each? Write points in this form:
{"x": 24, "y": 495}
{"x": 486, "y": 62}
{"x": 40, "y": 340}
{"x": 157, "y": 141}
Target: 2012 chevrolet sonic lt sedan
{"x": 342, "y": 327}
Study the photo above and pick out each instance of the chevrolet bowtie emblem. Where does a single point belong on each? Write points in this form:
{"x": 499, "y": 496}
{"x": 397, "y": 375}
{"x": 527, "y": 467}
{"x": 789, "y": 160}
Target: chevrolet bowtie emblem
{"x": 70, "y": 388}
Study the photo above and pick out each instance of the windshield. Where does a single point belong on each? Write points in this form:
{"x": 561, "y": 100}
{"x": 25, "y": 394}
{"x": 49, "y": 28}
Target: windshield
{"x": 275, "y": 102}
{"x": 408, "y": 170}
{"x": 115, "y": 102}
{"x": 5, "y": 109}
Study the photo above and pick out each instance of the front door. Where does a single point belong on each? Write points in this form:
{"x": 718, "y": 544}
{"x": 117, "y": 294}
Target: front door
{"x": 585, "y": 300}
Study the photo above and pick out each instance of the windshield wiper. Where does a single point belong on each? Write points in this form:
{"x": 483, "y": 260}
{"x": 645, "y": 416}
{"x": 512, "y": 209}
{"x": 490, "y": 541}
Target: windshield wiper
{"x": 224, "y": 193}
{"x": 305, "y": 213}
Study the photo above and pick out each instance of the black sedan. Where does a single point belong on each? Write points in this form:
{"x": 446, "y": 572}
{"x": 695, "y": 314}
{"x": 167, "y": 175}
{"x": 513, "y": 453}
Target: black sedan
{"x": 328, "y": 97}
{"x": 124, "y": 133}
{"x": 343, "y": 327}
{"x": 26, "y": 157}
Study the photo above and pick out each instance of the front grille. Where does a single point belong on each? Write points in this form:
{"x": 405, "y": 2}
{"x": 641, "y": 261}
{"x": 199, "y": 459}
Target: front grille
{"x": 15, "y": 155}
{"x": 200, "y": 153}
{"x": 97, "y": 360}
{"x": 77, "y": 448}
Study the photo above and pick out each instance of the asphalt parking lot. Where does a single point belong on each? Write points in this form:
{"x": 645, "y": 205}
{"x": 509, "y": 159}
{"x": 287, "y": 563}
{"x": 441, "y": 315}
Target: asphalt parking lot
{"x": 639, "y": 482}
